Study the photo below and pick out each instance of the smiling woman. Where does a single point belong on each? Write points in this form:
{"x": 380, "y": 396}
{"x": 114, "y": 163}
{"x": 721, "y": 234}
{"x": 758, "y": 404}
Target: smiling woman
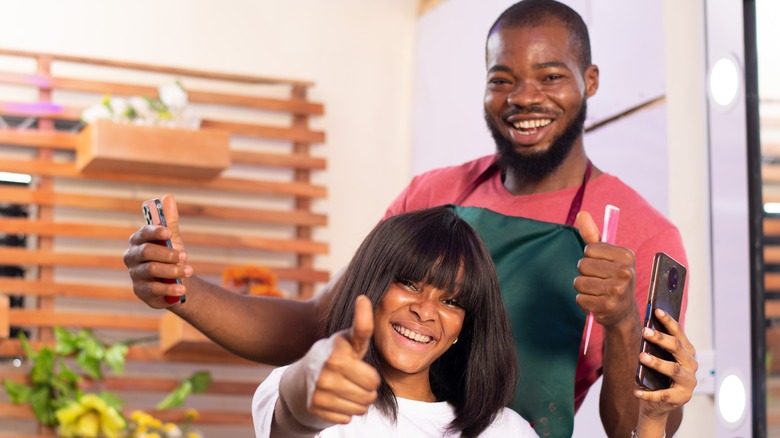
{"x": 427, "y": 351}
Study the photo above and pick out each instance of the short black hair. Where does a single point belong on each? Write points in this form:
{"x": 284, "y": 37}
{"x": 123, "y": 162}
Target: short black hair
{"x": 435, "y": 246}
{"x": 529, "y": 13}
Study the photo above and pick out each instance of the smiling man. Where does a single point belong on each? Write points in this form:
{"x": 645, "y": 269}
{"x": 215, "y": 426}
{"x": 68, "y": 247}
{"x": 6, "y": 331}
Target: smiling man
{"x": 539, "y": 77}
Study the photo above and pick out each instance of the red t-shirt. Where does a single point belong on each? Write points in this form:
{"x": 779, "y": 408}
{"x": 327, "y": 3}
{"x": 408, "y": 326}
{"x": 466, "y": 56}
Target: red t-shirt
{"x": 642, "y": 228}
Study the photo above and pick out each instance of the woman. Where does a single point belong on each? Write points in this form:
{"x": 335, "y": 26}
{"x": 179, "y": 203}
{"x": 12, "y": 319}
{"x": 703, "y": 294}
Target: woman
{"x": 427, "y": 351}
{"x": 441, "y": 359}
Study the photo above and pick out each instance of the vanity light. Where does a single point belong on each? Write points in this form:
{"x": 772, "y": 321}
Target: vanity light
{"x": 724, "y": 81}
{"x": 731, "y": 399}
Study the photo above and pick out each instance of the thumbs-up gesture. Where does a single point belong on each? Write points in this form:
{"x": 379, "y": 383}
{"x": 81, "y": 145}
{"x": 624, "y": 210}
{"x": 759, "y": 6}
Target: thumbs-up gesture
{"x": 347, "y": 386}
{"x": 331, "y": 383}
{"x": 606, "y": 281}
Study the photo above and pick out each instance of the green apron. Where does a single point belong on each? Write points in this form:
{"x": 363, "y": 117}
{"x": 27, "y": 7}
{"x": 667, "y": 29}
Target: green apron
{"x": 537, "y": 264}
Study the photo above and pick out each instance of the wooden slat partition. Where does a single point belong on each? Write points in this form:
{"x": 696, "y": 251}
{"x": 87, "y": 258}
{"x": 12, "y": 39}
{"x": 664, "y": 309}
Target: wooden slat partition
{"x": 78, "y": 224}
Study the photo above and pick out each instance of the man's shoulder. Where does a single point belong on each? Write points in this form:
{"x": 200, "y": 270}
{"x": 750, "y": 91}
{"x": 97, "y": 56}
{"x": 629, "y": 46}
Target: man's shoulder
{"x": 449, "y": 180}
{"x": 641, "y": 217}
{"x": 467, "y": 171}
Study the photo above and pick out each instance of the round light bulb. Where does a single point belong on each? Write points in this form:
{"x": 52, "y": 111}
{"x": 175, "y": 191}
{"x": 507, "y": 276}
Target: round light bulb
{"x": 731, "y": 399}
{"x": 724, "y": 81}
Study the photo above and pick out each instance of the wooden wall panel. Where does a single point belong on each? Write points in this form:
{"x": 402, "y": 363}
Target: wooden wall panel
{"x": 259, "y": 210}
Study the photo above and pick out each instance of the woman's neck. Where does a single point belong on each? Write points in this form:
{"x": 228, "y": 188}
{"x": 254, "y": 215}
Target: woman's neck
{"x": 410, "y": 386}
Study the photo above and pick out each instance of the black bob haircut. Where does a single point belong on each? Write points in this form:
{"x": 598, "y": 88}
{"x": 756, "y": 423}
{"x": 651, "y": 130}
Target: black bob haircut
{"x": 478, "y": 375}
{"x": 531, "y": 13}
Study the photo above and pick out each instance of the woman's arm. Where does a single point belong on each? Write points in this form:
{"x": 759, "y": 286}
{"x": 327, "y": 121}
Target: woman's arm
{"x": 331, "y": 384}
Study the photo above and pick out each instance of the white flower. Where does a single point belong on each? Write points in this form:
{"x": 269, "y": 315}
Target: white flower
{"x": 141, "y": 108}
{"x": 171, "y": 109}
{"x": 174, "y": 96}
{"x": 95, "y": 112}
{"x": 118, "y": 106}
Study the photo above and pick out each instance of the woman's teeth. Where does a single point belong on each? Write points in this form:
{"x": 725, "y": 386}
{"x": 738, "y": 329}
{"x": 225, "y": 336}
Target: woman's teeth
{"x": 412, "y": 335}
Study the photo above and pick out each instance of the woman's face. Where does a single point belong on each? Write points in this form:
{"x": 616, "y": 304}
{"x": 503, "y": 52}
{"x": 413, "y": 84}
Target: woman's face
{"x": 414, "y": 325}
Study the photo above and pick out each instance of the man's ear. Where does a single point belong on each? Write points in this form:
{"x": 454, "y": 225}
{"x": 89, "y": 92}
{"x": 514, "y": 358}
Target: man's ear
{"x": 591, "y": 80}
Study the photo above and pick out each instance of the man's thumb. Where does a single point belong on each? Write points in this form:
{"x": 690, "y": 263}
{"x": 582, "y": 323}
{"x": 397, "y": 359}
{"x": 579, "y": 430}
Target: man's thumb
{"x": 170, "y": 209}
{"x": 588, "y": 229}
{"x": 363, "y": 325}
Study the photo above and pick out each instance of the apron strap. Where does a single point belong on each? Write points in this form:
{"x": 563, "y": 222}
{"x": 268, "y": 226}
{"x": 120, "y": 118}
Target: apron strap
{"x": 576, "y": 203}
{"x": 486, "y": 174}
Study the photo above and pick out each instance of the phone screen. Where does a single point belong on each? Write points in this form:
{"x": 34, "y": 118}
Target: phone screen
{"x": 667, "y": 284}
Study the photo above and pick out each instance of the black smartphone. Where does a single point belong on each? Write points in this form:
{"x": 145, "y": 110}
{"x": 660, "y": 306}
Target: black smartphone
{"x": 153, "y": 213}
{"x": 667, "y": 283}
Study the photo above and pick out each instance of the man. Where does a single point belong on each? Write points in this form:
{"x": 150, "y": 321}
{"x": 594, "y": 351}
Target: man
{"x": 539, "y": 77}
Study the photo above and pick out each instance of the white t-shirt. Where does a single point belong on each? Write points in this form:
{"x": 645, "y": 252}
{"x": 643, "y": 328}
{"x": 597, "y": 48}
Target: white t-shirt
{"x": 415, "y": 418}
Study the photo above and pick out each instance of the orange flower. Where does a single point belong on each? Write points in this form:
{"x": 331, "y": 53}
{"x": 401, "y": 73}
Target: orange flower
{"x": 252, "y": 279}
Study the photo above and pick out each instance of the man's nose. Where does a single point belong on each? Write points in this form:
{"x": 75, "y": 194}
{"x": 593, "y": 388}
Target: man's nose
{"x": 525, "y": 94}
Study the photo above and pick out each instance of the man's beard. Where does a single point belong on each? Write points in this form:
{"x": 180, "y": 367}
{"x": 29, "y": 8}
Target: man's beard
{"x": 536, "y": 166}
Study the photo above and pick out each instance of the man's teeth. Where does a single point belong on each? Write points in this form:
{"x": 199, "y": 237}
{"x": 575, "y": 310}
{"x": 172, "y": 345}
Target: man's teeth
{"x": 531, "y": 124}
{"x": 412, "y": 335}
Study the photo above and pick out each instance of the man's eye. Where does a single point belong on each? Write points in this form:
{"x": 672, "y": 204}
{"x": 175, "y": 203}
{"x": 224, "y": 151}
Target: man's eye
{"x": 554, "y": 77}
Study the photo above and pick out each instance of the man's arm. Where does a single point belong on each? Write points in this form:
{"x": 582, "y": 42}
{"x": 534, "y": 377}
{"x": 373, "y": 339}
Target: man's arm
{"x": 617, "y": 405}
{"x": 270, "y": 330}
{"x": 606, "y": 287}
{"x": 275, "y": 331}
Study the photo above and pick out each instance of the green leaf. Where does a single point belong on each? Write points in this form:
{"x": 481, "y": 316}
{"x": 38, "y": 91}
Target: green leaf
{"x": 131, "y": 113}
{"x": 67, "y": 342}
{"x": 67, "y": 374}
{"x": 43, "y": 407}
{"x": 18, "y": 392}
{"x": 112, "y": 400}
{"x": 31, "y": 354}
{"x": 89, "y": 364}
{"x": 200, "y": 381}
{"x": 115, "y": 356}
{"x": 63, "y": 389}
{"x": 43, "y": 369}
{"x": 176, "y": 397}
{"x": 89, "y": 343}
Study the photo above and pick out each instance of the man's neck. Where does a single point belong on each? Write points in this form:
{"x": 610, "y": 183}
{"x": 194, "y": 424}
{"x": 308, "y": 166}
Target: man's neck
{"x": 569, "y": 174}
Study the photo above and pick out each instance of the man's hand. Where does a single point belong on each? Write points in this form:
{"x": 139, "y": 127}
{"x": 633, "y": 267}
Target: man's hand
{"x": 148, "y": 262}
{"x": 347, "y": 386}
{"x": 606, "y": 281}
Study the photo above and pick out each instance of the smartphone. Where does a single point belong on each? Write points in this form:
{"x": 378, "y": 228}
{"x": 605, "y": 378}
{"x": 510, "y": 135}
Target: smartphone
{"x": 153, "y": 213}
{"x": 667, "y": 283}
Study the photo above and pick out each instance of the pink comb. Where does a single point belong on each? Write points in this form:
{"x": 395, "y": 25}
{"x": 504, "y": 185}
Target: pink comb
{"x": 611, "y": 215}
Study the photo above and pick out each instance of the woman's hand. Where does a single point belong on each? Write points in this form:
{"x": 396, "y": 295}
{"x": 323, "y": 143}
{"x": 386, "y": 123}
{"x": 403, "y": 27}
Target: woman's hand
{"x": 654, "y": 406}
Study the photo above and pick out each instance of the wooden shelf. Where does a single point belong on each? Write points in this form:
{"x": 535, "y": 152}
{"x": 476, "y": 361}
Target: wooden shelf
{"x": 178, "y": 337}
{"x": 105, "y": 146}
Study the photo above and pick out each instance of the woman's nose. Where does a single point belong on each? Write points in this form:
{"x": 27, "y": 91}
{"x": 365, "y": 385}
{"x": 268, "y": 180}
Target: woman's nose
{"x": 424, "y": 307}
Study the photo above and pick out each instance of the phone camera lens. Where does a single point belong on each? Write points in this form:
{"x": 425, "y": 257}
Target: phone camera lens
{"x": 672, "y": 279}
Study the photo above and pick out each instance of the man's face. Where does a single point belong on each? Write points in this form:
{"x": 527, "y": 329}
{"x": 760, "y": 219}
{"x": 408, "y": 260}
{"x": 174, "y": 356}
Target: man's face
{"x": 535, "y": 97}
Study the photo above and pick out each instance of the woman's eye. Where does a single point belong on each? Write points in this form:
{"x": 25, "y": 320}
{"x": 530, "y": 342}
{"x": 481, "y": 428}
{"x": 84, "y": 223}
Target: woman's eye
{"x": 452, "y": 302}
{"x": 409, "y": 284}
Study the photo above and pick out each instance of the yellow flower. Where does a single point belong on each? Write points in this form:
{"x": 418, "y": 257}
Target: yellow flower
{"x": 191, "y": 414}
{"x": 89, "y": 417}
